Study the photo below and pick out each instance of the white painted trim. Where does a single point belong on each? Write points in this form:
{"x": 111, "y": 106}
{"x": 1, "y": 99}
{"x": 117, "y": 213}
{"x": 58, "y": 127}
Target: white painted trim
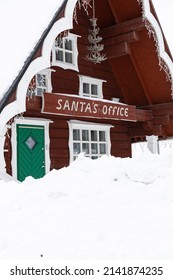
{"x": 90, "y": 80}
{"x": 19, "y": 105}
{"x": 88, "y": 125}
{"x": 65, "y": 65}
{"x": 2, "y": 159}
{"x": 30, "y": 121}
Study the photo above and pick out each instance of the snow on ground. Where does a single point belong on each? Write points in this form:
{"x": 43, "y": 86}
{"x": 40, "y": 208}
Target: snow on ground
{"x": 109, "y": 208}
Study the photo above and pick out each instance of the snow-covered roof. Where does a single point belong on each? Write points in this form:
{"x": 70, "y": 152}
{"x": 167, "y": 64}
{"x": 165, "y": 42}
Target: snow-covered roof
{"x": 21, "y": 26}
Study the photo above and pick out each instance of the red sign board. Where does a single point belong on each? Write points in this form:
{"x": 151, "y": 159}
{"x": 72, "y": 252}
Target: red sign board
{"x": 72, "y": 105}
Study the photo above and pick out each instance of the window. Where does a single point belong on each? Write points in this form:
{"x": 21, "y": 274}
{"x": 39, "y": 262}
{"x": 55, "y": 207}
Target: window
{"x": 89, "y": 138}
{"x": 40, "y": 83}
{"x": 65, "y": 52}
{"x": 43, "y": 82}
{"x": 90, "y": 87}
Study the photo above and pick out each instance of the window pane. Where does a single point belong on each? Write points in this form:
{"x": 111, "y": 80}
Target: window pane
{"x": 68, "y": 45}
{"x": 76, "y": 148}
{"x": 39, "y": 91}
{"x": 85, "y": 135}
{"x": 93, "y": 135}
{"x": 85, "y": 148}
{"x": 94, "y": 148}
{"x": 41, "y": 80}
{"x": 85, "y": 88}
{"x": 59, "y": 55}
{"x": 59, "y": 43}
{"x": 31, "y": 143}
{"x": 94, "y": 157}
{"x": 102, "y": 136}
{"x": 102, "y": 149}
{"x": 68, "y": 57}
{"x": 76, "y": 134}
{"x": 94, "y": 90}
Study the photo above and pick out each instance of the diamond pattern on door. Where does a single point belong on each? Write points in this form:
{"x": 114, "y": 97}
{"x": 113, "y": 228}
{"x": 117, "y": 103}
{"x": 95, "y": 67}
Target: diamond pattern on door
{"x": 31, "y": 143}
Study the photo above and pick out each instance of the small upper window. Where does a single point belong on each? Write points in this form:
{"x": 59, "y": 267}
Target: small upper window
{"x": 40, "y": 83}
{"x": 65, "y": 52}
{"x": 91, "y": 87}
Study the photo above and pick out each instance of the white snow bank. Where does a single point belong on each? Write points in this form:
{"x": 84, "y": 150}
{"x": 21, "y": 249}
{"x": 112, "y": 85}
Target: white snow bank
{"x": 109, "y": 208}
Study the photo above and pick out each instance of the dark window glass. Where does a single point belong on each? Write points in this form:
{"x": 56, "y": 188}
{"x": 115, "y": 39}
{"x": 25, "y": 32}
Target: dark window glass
{"x": 76, "y": 134}
{"x": 94, "y": 135}
{"x": 85, "y": 148}
{"x": 68, "y": 45}
{"x": 59, "y": 55}
{"x": 102, "y": 149}
{"x": 94, "y": 90}
{"x": 68, "y": 57}
{"x": 94, "y": 148}
{"x": 85, "y": 88}
{"x": 102, "y": 136}
{"x": 76, "y": 148}
{"x": 85, "y": 135}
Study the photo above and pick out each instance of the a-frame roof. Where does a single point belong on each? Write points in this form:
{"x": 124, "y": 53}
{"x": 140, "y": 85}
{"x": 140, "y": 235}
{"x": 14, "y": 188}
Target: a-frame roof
{"x": 13, "y": 65}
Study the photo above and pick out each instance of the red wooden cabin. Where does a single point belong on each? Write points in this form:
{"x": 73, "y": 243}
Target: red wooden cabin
{"x": 62, "y": 103}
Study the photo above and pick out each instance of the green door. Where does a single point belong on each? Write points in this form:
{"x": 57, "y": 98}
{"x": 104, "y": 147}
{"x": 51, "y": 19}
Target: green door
{"x": 30, "y": 151}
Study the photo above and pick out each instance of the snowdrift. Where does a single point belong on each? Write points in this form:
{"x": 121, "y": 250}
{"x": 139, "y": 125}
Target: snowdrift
{"x": 109, "y": 208}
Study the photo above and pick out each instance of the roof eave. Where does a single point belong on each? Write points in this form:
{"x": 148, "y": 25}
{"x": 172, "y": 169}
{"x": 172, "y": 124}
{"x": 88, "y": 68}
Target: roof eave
{"x": 13, "y": 86}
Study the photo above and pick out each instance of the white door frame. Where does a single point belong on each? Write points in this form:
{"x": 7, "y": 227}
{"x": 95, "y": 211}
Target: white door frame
{"x": 30, "y": 121}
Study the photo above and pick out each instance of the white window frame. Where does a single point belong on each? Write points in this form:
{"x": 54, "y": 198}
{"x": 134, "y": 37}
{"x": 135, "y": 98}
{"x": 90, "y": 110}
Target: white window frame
{"x": 30, "y": 121}
{"x": 48, "y": 87}
{"x": 74, "y": 52}
{"x": 73, "y": 124}
{"x": 91, "y": 81}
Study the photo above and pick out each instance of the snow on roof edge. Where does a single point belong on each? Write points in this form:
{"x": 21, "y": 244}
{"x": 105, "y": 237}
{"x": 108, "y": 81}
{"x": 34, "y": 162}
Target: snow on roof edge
{"x": 153, "y": 27}
{"x": 9, "y": 87}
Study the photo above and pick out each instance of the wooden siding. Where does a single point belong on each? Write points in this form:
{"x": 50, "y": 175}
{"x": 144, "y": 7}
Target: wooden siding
{"x": 59, "y": 134}
{"x": 8, "y": 152}
{"x": 67, "y": 81}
